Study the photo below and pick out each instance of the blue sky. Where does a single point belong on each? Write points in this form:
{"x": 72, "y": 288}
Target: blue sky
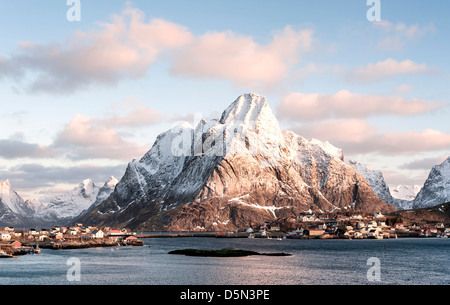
{"x": 128, "y": 70}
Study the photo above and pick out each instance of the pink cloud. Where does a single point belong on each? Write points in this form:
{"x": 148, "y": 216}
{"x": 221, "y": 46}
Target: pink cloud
{"x": 122, "y": 49}
{"x": 386, "y": 69}
{"x": 344, "y": 104}
{"x": 128, "y": 45}
{"x": 89, "y": 137}
{"x": 86, "y": 138}
{"x": 338, "y": 131}
{"x": 133, "y": 113}
{"x": 412, "y": 142}
{"x": 226, "y": 55}
{"x": 360, "y": 137}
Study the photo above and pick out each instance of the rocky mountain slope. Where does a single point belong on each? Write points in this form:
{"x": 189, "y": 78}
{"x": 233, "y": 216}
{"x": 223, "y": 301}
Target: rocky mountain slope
{"x": 376, "y": 181}
{"x": 436, "y": 189}
{"x": 239, "y": 170}
{"x": 436, "y": 214}
{"x": 14, "y": 210}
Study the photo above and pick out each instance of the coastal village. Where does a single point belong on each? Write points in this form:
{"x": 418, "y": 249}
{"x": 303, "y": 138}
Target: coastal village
{"x": 341, "y": 226}
{"x": 15, "y": 242}
{"x": 306, "y": 226}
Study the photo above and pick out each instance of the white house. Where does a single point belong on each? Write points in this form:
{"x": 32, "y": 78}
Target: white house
{"x": 5, "y": 236}
{"x": 97, "y": 234}
{"x": 73, "y": 232}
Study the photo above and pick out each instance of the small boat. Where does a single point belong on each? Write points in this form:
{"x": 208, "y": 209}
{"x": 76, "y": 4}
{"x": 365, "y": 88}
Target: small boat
{"x": 37, "y": 250}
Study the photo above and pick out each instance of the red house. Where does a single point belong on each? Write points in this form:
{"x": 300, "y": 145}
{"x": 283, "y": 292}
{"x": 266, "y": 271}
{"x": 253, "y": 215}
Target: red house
{"x": 131, "y": 238}
{"x": 16, "y": 244}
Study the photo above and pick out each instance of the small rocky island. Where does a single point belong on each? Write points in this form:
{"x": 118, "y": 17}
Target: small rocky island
{"x": 227, "y": 252}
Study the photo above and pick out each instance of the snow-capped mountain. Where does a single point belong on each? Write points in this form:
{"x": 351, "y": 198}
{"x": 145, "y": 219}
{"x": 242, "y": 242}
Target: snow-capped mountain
{"x": 105, "y": 191}
{"x": 64, "y": 207}
{"x": 376, "y": 181}
{"x": 13, "y": 201}
{"x": 436, "y": 189}
{"x": 61, "y": 209}
{"x": 239, "y": 170}
{"x": 14, "y": 210}
{"x": 405, "y": 192}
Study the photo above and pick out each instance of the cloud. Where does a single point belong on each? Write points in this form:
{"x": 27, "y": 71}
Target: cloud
{"x": 17, "y": 148}
{"x": 122, "y": 49}
{"x": 338, "y": 131}
{"x": 423, "y": 164}
{"x": 411, "y": 142}
{"x": 32, "y": 175}
{"x": 359, "y": 137}
{"x": 403, "y": 89}
{"x": 344, "y": 104}
{"x": 134, "y": 113}
{"x": 386, "y": 69}
{"x": 127, "y": 46}
{"x": 397, "y": 35}
{"x": 394, "y": 177}
{"x": 226, "y": 55}
{"x": 85, "y": 137}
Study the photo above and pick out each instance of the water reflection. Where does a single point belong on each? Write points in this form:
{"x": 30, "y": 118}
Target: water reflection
{"x": 314, "y": 262}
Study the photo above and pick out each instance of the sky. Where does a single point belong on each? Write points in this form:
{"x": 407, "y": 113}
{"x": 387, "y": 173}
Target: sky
{"x": 87, "y": 86}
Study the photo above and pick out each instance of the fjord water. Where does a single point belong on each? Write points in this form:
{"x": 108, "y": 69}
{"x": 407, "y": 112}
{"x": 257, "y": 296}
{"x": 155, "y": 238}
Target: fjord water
{"x": 314, "y": 262}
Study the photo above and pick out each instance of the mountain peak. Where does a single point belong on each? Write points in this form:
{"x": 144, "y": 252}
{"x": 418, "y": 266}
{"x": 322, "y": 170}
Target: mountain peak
{"x": 86, "y": 184}
{"x": 5, "y": 185}
{"x": 250, "y": 126}
{"x": 112, "y": 182}
{"x": 247, "y": 108}
{"x": 436, "y": 188}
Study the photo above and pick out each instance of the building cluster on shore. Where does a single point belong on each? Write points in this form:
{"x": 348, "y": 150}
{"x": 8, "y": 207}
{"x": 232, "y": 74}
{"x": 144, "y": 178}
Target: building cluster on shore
{"x": 356, "y": 226}
{"x": 14, "y": 241}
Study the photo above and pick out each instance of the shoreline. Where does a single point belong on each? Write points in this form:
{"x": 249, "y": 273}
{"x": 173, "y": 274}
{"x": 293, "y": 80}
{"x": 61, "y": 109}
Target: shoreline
{"x": 258, "y": 236}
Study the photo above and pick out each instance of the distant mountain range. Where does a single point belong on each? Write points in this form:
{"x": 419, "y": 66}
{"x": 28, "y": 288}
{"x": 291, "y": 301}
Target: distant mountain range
{"x": 435, "y": 191}
{"x": 60, "y": 210}
{"x": 238, "y": 170}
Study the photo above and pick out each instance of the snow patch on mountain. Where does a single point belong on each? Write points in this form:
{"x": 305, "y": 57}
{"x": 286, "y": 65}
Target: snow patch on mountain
{"x": 405, "y": 192}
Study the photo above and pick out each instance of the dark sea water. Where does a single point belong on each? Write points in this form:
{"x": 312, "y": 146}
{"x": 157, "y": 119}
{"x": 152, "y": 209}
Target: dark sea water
{"x": 314, "y": 262}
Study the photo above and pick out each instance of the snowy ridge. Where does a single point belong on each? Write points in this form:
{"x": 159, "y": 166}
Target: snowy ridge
{"x": 14, "y": 211}
{"x": 376, "y": 181}
{"x": 68, "y": 205}
{"x": 436, "y": 189}
{"x": 14, "y": 202}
